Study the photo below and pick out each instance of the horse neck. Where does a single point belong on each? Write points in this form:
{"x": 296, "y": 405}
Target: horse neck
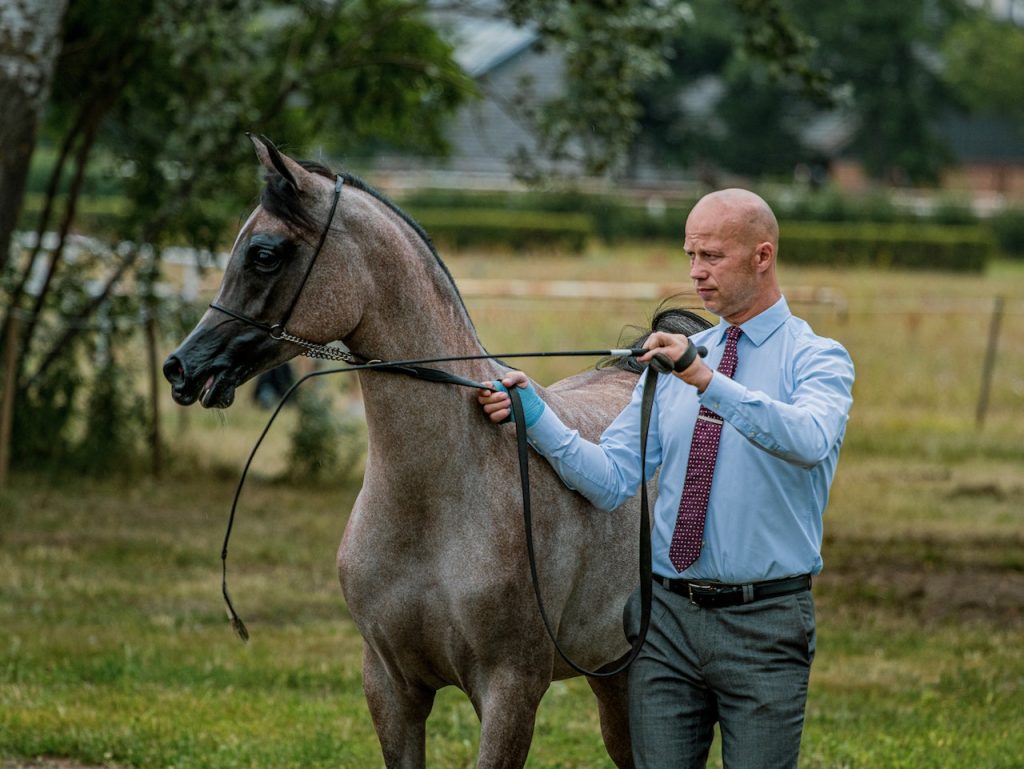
{"x": 417, "y": 312}
{"x": 419, "y": 316}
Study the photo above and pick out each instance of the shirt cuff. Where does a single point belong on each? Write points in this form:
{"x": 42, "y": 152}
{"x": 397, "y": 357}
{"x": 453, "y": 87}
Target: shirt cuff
{"x": 722, "y": 395}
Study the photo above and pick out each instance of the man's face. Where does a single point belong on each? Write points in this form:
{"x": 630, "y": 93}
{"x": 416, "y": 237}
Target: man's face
{"x": 722, "y": 261}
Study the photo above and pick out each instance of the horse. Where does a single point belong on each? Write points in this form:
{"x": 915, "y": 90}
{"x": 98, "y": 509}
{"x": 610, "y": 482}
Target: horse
{"x": 432, "y": 562}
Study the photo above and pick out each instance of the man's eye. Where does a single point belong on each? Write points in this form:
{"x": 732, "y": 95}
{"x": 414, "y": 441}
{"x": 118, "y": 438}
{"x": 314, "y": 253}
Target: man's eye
{"x": 263, "y": 259}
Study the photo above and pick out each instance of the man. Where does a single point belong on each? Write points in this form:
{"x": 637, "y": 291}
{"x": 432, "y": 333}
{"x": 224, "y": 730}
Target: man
{"x": 732, "y": 632}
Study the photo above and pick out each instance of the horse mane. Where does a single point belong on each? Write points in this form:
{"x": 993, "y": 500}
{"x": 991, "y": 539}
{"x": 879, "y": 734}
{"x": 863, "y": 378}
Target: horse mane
{"x": 674, "y": 320}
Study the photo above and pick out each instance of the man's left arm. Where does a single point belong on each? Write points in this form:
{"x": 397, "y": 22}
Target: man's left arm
{"x": 803, "y": 429}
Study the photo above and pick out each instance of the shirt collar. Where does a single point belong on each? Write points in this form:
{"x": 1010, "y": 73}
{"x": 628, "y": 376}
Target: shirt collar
{"x": 760, "y": 327}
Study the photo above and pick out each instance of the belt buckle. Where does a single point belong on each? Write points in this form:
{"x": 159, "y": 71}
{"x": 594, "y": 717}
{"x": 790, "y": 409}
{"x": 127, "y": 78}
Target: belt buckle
{"x": 689, "y": 590}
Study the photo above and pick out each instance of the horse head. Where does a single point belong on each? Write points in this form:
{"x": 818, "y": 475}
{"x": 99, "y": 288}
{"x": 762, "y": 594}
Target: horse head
{"x": 283, "y": 268}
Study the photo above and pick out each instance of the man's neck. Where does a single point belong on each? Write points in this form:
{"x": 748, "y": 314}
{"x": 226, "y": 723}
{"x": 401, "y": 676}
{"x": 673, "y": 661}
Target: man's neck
{"x": 760, "y": 305}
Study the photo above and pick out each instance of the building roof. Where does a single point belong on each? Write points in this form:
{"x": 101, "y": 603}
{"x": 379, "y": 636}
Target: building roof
{"x": 483, "y": 40}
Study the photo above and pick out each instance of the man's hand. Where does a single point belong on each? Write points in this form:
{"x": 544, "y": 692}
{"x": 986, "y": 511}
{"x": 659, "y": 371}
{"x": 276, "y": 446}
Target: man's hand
{"x": 673, "y": 347}
{"x": 498, "y": 406}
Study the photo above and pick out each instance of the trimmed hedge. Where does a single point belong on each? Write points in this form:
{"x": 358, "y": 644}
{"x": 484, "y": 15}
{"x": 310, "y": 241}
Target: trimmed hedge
{"x": 1008, "y": 228}
{"x": 849, "y": 244}
{"x": 516, "y": 230}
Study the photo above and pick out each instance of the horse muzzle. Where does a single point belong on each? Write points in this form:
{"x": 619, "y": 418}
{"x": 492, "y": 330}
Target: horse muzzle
{"x": 214, "y": 360}
{"x": 212, "y": 388}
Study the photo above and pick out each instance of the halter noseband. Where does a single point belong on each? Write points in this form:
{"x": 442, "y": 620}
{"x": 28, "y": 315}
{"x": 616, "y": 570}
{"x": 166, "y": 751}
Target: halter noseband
{"x": 278, "y": 330}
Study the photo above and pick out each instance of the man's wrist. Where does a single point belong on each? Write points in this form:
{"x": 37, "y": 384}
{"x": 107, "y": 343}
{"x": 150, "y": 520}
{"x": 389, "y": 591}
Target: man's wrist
{"x": 699, "y": 377}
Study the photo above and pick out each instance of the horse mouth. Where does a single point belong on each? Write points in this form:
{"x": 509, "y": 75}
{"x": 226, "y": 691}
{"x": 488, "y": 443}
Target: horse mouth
{"x": 217, "y": 392}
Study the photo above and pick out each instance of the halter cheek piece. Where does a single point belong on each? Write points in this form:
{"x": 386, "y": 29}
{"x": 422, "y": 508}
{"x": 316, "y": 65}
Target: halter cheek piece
{"x": 277, "y": 330}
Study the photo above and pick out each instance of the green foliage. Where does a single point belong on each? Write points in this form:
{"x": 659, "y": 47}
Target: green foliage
{"x": 832, "y": 205}
{"x": 870, "y": 229}
{"x": 929, "y": 247}
{"x": 611, "y": 49}
{"x": 1008, "y": 228}
{"x": 517, "y": 230}
{"x": 41, "y": 434}
{"x": 883, "y": 52}
{"x": 874, "y": 62}
{"x": 185, "y": 81}
{"x": 114, "y": 421}
{"x": 978, "y": 53}
{"x": 324, "y": 446}
{"x": 762, "y": 61}
{"x": 151, "y": 101}
{"x": 760, "y": 125}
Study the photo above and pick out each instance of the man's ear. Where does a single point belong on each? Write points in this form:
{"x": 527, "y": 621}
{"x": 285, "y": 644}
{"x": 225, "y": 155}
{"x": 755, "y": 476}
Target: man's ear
{"x": 764, "y": 256}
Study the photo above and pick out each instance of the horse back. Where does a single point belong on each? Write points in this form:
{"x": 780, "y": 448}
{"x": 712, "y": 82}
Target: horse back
{"x": 589, "y": 401}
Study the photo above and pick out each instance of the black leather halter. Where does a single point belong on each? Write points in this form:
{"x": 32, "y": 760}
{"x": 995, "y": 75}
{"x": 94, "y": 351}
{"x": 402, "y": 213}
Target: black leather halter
{"x": 278, "y": 330}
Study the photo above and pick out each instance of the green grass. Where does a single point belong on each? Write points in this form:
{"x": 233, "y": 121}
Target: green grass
{"x": 115, "y": 649}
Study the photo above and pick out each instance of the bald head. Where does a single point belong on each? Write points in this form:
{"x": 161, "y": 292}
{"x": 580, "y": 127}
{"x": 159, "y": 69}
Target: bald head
{"x": 746, "y": 214}
{"x": 731, "y": 239}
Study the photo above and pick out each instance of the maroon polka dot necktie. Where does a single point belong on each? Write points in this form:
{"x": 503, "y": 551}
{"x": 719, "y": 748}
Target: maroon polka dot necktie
{"x": 700, "y": 468}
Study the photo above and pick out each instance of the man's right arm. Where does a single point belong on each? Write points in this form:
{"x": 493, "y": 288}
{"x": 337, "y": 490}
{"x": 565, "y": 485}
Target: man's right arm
{"x": 607, "y": 473}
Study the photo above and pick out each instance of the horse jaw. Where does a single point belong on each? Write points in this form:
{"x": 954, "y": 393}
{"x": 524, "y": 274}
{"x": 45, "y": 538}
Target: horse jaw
{"x": 216, "y": 358}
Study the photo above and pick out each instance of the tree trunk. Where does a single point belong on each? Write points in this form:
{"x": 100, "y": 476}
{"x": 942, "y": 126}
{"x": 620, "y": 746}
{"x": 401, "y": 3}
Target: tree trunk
{"x": 29, "y": 44}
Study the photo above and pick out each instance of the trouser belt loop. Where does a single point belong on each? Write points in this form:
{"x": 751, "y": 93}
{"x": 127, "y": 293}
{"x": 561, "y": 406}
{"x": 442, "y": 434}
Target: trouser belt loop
{"x": 748, "y": 593}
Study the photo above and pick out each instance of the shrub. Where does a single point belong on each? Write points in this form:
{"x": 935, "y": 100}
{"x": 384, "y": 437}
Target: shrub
{"x": 115, "y": 423}
{"x": 517, "y": 230}
{"x": 323, "y": 446}
{"x": 1008, "y": 229}
{"x": 932, "y": 247}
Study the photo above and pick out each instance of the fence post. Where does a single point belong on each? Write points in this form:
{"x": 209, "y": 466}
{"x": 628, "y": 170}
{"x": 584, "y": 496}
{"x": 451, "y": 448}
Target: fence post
{"x": 990, "y": 362}
{"x": 7, "y": 403}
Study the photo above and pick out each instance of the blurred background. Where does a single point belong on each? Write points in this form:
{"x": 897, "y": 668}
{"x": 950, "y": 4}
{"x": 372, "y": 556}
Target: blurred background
{"x": 552, "y": 151}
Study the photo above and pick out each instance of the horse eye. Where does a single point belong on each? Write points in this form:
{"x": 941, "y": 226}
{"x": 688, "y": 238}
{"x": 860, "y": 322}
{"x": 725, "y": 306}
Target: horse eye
{"x": 264, "y": 259}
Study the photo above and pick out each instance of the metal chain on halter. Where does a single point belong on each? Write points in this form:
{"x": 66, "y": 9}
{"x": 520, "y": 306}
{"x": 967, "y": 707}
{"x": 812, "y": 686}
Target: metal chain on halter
{"x": 320, "y": 351}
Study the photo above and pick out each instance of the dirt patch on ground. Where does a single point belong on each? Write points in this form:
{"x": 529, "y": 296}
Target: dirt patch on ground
{"x": 933, "y": 596}
{"x": 932, "y": 578}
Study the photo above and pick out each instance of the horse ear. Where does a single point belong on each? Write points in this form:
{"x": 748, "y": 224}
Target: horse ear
{"x": 277, "y": 162}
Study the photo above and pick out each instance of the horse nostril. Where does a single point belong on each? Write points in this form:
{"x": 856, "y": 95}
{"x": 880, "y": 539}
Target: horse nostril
{"x": 174, "y": 372}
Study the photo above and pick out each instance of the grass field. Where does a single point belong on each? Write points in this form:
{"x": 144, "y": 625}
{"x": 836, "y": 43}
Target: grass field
{"x": 115, "y": 651}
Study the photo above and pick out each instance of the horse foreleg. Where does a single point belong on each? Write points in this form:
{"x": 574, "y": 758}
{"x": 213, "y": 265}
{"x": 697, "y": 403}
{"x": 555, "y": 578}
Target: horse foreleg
{"x": 613, "y": 707}
{"x": 507, "y": 708}
{"x": 399, "y": 714}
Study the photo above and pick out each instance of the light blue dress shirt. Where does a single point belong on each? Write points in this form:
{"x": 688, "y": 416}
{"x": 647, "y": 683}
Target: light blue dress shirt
{"x": 785, "y": 413}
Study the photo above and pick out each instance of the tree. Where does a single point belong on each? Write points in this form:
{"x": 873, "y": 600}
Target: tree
{"x": 979, "y": 51}
{"x": 163, "y": 91}
{"x": 755, "y": 66}
{"x": 29, "y": 42}
{"x": 619, "y": 56}
{"x": 886, "y": 54}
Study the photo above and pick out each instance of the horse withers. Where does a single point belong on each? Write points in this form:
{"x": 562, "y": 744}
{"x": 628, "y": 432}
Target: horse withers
{"x": 433, "y": 562}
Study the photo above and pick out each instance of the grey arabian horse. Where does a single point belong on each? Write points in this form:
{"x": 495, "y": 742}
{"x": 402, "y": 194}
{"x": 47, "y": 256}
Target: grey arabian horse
{"x": 432, "y": 563}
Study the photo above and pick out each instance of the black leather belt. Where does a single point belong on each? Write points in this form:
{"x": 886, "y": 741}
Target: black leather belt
{"x": 718, "y": 594}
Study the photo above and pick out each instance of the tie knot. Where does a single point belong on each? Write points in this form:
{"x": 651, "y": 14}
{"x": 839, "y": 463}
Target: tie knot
{"x": 733, "y": 334}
